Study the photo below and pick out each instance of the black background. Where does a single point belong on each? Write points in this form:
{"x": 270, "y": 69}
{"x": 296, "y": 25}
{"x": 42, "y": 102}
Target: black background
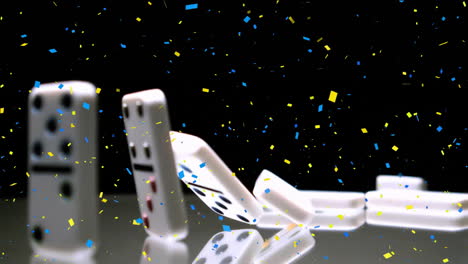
{"x": 381, "y": 64}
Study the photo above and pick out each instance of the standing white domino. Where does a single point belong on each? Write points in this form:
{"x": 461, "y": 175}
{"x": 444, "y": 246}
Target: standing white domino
{"x": 286, "y": 246}
{"x": 235, "y": 247}
{"x": 207, "y": 176}
{"x": 414, "y": 199}
{"x": 159, "y": 193}
{"x": 159, "y": 250}
{"x": 400, "y": 182}
{"x": 274, "y": 192}
{"x": 62, "y": 195}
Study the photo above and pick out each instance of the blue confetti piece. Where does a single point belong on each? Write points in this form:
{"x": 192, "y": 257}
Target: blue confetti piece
{"x": 346, "y": 234}
{"x": 53, "y": 51}
{"x": 460, "y": 210}
{"x": 60, "y": 111}
{"x": 37, "y": 84}
{"x": 247, "y": 19}
{"x": 306, "y": 38}
{"x": 86, "y": 105}
{"x": 86, "y": 140}
{"x": 24, "y": 35}
{"x": 406, "y": 186}
{"x": 220, "y": 217}
{"x": 309, "y": 50}
{"x": 376, "y": 146}
{"x": 226, "y": 228}
{"x": 89, "y": 243}
{"x": 244, "y": 84}
{"x": 203, "y": 165}
{"x": 128, "y": 170}
{"x": 402, "y": 1}
{"x": 340, "y": 180}
{"x": 139, "y": 221}
{"x": 47, "y": 231}
{"x": 183, "y": 125}
{"x": 358, "y": 63}
{"x": 194, "y": 176}
{"x": 297, "y": 136}
{"x": 191, "y": 6}
{"x": 387, "y": 165}
{"x": 267, "y": 190}
{"x": 60, "y": 86}
{"x": 181, "y": 174}
{"x": 325, "y": 257}
{"x": 255, "y": 220}
{"x": 439, "y": 128}
{"x": 453, "y": 79}
{"x": 254, "y": 26}
{"x": 123, "y": 46}
{"x": 432, "y": 237}
{"x": 320, "y": 108}
{"x": 192, "y": 207}
{"x": 443, "y": 18}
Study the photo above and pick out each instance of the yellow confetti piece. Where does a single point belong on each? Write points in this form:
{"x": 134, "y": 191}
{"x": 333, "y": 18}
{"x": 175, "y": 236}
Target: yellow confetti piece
{"x": 287, "y": 161}
{"x": 341, "y": 217}
{"x": 2, "y": 110}
{"x": 443, "y": 43}
{"x": 330, "y": 225}
{"x": 310, "y": 165}
{"x": 104, "y": 200}
{"x": 312, "y": 97}
{"x": 98, "y": 90}
{"x": 415, "y": 10}
{"x": 13, "y": 184}
{"x": 277, "y": 237}
{"x": 333, "y": 95}
{"x": 73, "y": 112}
{"x": 50, "y": 154}
{"x": 404, "y": 73}
{"x": 177, "y": 53}
{"x": 72, "y": 125}
{"x": 388, "y": 255}
{"x": 408, "y": 207}
{"x": 272, "y": 147}
{"x": 317, "y": 126}
{"x": 327, "y": 47}
{"x": 71, "y": 222}
{"x": 409, "y": 115}
{"x": 295, "y": 243}
{"x": 445, "y": 260}
{"x": 100, "y": 212}
{"x": 138, "y": 19}
{"x": 336, "y": 169}
{"x": 464, "y": 4}
{"x": 292, "y": 20}
{"x": 135, "y": 222}
{"x": 11, "y": 153}
{"x": 289, "y": 105}
{"x": 24, "y": 44}
{"x": 438, "y": 113}
{"x": 386, "y": 125}
{"x": 364, "y": 130}
{"x": 149, "y": 3}
{"x": 205, "y": 90}
{"x": 27, "y": 174}
{"x": 395, "y": 148}
{"x": 233, "y": 174}
{"x": 379, "y": 213}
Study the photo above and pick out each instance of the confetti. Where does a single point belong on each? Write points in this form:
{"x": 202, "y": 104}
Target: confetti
{"x": 287, "y": 161}
{"x": 332, "y": 97}
{"x": 50, "y": 154}
{"x": 395, "y": 148}
{"x": 53, "y": 51}
{"x": 205, "y": 90}
{"x": 267, "y": 190}
{"x": 86, "y": 105}
{"x": 37, "y": 84}
{"x": 191, "y": 6}
{"x": 98, "y": 90}
{"x": 71, "y": 222}
{"x": 123, "y": 46}
{"x": 177, "y": 53}
{"x": 445, "y": 260}
{"x": 388, "y": 255}
{"x": 247, "y": 19}
{"x": 2, "y": 110}
{"x": 364, "y": 130}
{"x": 226, "y": 228}
{"x": 89, "y": 243}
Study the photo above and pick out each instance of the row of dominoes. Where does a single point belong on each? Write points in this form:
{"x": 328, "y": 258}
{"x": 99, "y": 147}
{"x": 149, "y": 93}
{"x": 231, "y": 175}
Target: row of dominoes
{"x": 62, "y": 189}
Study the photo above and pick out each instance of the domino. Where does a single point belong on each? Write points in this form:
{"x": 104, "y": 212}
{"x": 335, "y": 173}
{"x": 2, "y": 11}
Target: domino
{"x": 329, "y": 220}
{"x": 324, "y": 200}
{"x": 62, "y": 163}
{"x": 287, "y": 246}
{"x": 159, "y": 192}
{"x": 418, "y": 219}
{"x": 274, "y": 192}
{"x": 400, "y": 182}
{"x": 413, "y": 199}
{"x": 159, "y": 250}
{"x": 237, "y": 246}
{"x": 200, "y": 168}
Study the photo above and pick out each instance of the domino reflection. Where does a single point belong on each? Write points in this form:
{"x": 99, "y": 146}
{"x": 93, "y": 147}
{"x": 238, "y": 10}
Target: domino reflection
{"x": 163, "y": 251}
{"x": 61, "y": 258}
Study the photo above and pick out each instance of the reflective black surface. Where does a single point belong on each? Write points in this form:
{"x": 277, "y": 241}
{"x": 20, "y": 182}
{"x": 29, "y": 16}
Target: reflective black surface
{"x": 123, "y": 242}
